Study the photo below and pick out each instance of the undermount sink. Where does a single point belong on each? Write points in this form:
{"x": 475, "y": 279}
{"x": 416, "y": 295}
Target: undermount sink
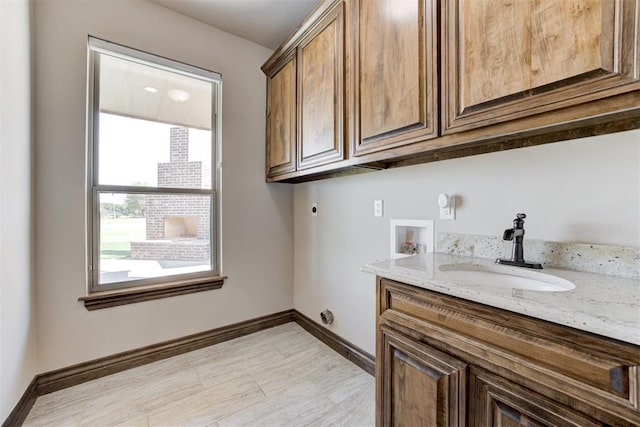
{"x": 505, "y": 277}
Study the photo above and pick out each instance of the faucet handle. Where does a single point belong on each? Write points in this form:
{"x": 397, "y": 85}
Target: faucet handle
{"x": 521, "y": 216}
{"x": 508, "y": 234}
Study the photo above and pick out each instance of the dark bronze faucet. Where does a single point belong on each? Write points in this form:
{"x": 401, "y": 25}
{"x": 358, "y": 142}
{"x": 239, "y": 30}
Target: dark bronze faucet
{"x": 517, "y": 254}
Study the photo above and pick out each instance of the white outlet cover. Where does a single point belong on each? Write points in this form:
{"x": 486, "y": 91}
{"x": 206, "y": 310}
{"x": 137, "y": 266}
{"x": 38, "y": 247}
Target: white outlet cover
{"x": 378, "y": 206}
{"x": 449, "y": 210}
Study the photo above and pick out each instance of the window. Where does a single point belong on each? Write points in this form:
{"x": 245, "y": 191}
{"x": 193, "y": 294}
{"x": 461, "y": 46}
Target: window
{"x": 153, "y": 180}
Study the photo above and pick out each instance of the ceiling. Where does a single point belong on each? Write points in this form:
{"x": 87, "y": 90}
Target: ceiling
{"x": 266, "y": 22}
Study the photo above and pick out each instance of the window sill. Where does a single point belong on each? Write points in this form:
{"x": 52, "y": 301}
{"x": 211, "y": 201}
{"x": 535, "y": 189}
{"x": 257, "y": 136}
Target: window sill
{"x": 106, "y": 299}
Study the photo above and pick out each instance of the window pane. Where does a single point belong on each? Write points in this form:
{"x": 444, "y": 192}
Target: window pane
{"x": 153, "y": 235}
{"x": 154, "y": 126}
{"x": 142, "y": 153}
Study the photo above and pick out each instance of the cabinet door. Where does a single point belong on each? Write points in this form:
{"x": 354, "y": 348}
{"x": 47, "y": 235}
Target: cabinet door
{"x": 417, "y": 385}
{"x": 321, "y": 97}
{"x": 396, "y": 73}
{"x": 494, "y": 401}
{"x": 506, "y": 59}
{"x": 281, "y": 120}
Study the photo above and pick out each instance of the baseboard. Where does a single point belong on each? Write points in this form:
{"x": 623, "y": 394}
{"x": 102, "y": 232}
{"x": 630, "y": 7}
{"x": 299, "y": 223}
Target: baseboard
{"x": 59, "y": 379}
{"x": 24, "y": 405}
{"x": 351, "y": 352}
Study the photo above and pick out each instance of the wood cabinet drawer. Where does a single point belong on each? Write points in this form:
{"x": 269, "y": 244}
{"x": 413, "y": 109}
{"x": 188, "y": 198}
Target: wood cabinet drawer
{"x": 576, "y": 368}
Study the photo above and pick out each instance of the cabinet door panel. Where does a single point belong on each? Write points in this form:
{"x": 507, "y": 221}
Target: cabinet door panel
{"x": 418, "y": 385}
{"x": 493, "y": 401}
{"x": 397, "y": 89}
{"x": 321, "y": 97}
{"x": 509, "y": 59}
{"x": 281, "y": 120}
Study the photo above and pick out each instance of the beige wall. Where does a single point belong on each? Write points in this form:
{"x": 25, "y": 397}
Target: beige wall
{"x": 17, "y": 307}
{"x": 577, "y": 191}
{"x": 257, "y": 218}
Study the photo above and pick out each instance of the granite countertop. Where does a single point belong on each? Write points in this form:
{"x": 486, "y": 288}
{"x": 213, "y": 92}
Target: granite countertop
{"x": 601, "y": 304}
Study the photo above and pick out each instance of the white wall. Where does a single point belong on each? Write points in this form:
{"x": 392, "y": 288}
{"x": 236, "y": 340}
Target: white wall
{"x": 257, "y": 218}
{"x": 17, "y": 307}
{"x": 575, "y": 191}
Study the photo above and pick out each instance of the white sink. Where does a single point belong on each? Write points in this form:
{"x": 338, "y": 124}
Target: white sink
{"x": 505, "y": 277}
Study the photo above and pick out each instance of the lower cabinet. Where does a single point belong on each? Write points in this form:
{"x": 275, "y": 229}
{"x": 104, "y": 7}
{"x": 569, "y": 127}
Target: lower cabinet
{"x": 442, "y": 361}
{"x": 421, "y": 386}
{"x": 412, "y": 374}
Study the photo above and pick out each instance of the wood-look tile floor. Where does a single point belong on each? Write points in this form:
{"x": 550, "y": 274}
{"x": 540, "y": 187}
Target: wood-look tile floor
{"x": 281, "y": 376}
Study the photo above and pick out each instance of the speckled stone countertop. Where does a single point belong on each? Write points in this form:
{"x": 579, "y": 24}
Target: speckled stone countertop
{"x": 601, "y": 304}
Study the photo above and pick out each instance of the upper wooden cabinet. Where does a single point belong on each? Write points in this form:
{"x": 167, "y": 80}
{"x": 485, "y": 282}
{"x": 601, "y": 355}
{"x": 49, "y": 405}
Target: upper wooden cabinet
{"x": 321, "y": 95}
{"x": 305, "y": 96}
{"x": 281, "y": 120}
{"x": 381, "y": 83}
{"x": 503, "y": 60}
{"x": 396, "y": 84}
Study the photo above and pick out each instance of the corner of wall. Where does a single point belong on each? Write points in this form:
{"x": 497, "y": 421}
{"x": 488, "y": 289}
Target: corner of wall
{"x": 18, "y": 364}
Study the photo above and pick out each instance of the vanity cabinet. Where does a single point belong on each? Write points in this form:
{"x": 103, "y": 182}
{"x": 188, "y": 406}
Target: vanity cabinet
{"x": 396, "y": 84}
{"x": 443, "y": 361}
{"x": 305, "y": 97}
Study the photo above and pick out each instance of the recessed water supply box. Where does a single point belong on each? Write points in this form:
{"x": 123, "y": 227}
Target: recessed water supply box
{"x": 410, "y": 237}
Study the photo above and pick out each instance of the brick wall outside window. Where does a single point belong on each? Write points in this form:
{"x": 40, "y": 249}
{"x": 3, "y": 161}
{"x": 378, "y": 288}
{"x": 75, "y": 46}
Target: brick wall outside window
{"x": 178, "y": 173}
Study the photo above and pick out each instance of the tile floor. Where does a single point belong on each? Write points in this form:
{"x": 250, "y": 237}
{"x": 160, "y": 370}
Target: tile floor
{"x": 281, "y": 376}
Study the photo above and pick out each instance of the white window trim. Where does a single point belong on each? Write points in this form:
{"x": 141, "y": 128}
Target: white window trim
{"x": 92, "y": 231}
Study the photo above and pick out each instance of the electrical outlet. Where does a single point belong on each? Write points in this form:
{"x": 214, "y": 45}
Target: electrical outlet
{"x": 448, "y": 213}
{"x": 377, "y": 208}
{"x": 314, "y": 209}
{"x": 447, "y": 206}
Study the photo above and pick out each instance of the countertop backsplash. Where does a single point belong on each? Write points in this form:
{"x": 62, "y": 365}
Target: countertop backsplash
{"x": 617, "y": 261}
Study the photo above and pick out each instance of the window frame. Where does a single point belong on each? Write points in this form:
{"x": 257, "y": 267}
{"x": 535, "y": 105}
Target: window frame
{"x": 195, "y": 280}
